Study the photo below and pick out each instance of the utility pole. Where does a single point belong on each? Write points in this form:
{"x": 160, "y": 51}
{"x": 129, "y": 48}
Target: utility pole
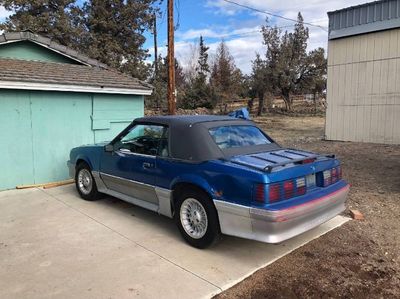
{"x": 171, "y": 59}
{"x": 155, "y": 45}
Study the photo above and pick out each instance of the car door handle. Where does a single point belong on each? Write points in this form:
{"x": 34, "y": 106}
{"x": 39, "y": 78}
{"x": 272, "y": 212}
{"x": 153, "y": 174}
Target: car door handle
{"x": 147, "y": 165}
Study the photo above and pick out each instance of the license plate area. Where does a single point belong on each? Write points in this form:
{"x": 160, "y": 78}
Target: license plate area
{"x": 310, "y": 181}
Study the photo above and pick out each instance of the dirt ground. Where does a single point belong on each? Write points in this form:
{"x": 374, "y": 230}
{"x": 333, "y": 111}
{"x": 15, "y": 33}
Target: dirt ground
{"x": 361, "y": 258}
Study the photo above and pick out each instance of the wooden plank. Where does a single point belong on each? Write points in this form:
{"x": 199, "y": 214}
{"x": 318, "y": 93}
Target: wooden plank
{"x": 46, "y": 185}
{"x": 29, "y": 186}
{"x": 58, "y": 184}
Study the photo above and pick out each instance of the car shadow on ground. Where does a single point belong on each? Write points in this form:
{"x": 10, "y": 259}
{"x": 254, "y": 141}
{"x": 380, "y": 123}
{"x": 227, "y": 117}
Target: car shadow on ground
{"x": 160, "y": 234}
{"x": 148, "y": 220}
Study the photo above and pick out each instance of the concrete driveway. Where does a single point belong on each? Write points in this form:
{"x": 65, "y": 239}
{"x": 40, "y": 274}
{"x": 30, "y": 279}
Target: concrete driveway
{"x": 53, "y": 244}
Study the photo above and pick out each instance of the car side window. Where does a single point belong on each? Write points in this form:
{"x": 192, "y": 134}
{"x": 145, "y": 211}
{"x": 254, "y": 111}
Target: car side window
{"x": 143, "y": 139}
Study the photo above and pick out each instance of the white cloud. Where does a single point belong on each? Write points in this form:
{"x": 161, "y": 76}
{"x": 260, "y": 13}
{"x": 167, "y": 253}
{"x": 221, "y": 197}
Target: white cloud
{"x": 243, "y": 50}
{"x": 244, "y": 46}
{"x": 242, "y": 36}
{"x": 313, "y": 11}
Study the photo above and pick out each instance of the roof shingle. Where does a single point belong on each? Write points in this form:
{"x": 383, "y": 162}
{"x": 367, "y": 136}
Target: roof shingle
{"x": 67, "y": 74}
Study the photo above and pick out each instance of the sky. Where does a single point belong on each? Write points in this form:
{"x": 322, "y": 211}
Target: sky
{"x": 238, "y": 27}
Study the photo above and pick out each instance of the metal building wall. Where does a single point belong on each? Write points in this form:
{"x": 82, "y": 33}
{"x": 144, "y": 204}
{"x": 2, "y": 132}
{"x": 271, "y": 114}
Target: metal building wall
{"x": 363, "y": 92}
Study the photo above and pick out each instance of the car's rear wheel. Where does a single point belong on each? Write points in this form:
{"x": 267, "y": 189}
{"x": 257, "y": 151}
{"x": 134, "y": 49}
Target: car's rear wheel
{"x": 197, "y": 218}
{"x": 85, "y": 183}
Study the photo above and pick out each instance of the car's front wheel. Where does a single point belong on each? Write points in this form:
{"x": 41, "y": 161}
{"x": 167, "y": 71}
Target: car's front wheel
{"x": 85, "y": 183}
{"x": 197, "y": 218}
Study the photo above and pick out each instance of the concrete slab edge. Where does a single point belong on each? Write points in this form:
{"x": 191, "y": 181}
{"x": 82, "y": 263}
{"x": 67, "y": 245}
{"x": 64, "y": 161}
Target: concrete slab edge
{"x": 342, "y": 221}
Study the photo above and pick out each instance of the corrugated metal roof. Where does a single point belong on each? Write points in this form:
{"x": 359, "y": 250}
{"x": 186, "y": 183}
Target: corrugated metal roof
{"x": 364, "y": 18}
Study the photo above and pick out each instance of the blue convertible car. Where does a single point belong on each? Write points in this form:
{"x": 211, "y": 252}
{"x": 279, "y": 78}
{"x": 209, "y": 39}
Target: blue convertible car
{"x": 213, "y": 175}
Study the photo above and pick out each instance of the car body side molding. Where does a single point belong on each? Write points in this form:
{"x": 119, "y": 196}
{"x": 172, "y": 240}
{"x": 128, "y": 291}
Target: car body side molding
{"x": 164, "y": 206}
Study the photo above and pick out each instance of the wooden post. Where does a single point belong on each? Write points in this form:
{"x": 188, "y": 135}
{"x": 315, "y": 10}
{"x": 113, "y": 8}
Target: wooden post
{"x": 171, "y": 59}
{"x": 155, "y": 45}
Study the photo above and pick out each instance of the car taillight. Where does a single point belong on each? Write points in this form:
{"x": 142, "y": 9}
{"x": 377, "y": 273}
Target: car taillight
{"x": 327, "y": 177}
{"x": 331, "y": 176}
{"x": 288, "y": 189}
{"x": 274, "y": 192}
{"x": 307, "y": 161}
{"x": 300, "y": 186}
{"x": 259, "y": 193}
{"x": 334, "y": 175}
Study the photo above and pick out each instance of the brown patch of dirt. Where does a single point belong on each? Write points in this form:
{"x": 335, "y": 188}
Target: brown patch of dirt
{"x": 361, "y": 258}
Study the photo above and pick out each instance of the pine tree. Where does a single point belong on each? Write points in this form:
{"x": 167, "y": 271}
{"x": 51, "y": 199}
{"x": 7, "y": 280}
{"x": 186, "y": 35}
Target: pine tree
{"x": 107, "y": 30}
{"x": 197, "y": 93}
{"x": 259, "y": 81}
{"x": 226, "y": 79}
{"x": 289, "y": 67}
{"x": 158, "y": 99}
{"x": 115, "y": 33}
{"x": 203, "y": 68}
{"x": 52, "y": 18}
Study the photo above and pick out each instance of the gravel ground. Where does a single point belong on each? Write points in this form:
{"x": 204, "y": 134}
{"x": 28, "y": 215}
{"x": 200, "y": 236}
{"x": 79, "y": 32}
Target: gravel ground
{"x": 361, "y": 258}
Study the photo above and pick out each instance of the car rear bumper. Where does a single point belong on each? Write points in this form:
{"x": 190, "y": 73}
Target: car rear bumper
{"x": 274, "y": 226}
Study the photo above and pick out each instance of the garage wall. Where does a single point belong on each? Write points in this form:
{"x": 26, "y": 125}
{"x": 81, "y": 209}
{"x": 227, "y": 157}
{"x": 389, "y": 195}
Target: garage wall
{"x": 38, "y": 129}
{"x": 363, "y": 91}
{"x": 60, "y": 121}
{"x": 113, "y": 113}
{"x": 16, "y": 155}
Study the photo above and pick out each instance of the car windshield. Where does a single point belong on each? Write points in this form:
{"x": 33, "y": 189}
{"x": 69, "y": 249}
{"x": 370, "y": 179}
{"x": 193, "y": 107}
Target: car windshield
{"x": 238, "y": 136}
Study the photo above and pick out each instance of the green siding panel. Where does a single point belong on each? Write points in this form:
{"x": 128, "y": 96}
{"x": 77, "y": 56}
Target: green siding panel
{"x": 26, "y": 50}
{"x": 38, "y": 130}
{"x": 60, "y": 121}
{"x": 112, "y": 113}
{"x": 16, "y": 155}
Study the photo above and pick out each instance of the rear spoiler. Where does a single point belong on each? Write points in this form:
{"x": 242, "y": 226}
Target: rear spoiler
{"x": 290, "y": 160}
{"x": 269, "y": 168}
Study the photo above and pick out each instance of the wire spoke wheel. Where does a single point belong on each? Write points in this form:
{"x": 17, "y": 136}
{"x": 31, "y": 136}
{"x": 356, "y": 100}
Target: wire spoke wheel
{"x": 85, "y": 182}
{"x": 193, "y": 218}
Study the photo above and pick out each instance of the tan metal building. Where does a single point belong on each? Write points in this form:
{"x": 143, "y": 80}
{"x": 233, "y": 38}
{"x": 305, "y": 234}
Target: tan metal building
{"x": 363, "y": 91}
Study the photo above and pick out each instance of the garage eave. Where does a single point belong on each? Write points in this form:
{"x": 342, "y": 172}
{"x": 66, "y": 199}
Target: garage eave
{"x": 71, "y": 88}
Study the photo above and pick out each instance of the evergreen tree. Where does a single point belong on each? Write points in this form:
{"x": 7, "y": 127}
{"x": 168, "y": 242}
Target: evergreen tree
{"x": 197, "y": 93}
{"x": 289, "y": 67}
{"x": 107, "y": 30}
{"x": 259, "y": 81}
{"x": 115, "y": 33}
{"x": 158, "y": 99}
{"x": 203, "y": 68}
{"x": 226, "y": 79}
{"x": 52, "y": 18}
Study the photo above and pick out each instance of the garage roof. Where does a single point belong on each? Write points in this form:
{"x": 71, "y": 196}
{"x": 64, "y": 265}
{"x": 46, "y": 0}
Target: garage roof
{"x": 364, "y": 18}
{"x": 27, "y": 35}
{"x": 37, "y": 75}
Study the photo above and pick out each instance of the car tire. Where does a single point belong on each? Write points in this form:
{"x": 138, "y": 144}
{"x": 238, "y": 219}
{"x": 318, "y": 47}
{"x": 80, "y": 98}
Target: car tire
{"x": 197, "y": 219}
{"x": 85, "y": 183}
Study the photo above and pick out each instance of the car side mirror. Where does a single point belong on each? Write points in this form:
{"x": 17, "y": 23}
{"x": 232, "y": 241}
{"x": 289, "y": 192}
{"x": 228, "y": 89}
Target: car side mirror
{"x": 109, "y": 148}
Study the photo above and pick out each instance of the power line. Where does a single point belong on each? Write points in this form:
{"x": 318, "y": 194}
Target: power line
{"x": 272, "y": 14}
{"x": 246, "y": 32}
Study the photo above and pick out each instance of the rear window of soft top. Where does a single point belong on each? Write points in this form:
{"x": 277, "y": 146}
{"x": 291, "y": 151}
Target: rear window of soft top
{"x": 238, "y": 136}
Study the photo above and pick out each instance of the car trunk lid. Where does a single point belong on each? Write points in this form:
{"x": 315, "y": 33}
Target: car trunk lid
{"x": 278, "y": 159}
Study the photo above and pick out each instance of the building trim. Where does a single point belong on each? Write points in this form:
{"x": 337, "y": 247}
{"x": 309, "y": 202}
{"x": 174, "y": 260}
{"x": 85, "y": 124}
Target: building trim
{"x": 365, "y": 28}
{"x": 71, "y": 88}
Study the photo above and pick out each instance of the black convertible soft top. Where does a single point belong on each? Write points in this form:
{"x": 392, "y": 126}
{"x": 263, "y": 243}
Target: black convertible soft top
{"x": 190, "y": 139}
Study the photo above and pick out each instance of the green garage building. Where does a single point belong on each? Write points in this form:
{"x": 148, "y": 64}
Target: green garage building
{"x": 52, "y": 99}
